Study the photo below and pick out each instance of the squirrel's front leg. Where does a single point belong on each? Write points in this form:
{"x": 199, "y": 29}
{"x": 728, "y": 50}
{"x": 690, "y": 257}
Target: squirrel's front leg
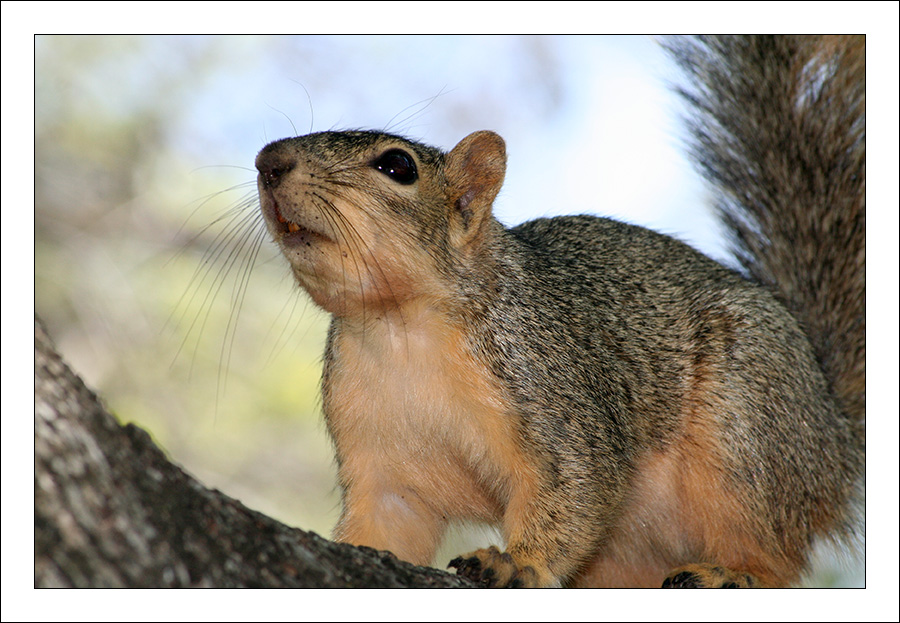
{"x": 392, "y": 519}
{"x": 546, "y": 539}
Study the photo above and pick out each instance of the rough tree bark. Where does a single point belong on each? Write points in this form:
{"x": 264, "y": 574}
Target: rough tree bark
{"x": 111, "y": 510}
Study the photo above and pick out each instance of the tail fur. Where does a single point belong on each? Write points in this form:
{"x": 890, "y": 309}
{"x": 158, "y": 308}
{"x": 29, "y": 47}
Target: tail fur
{"x": 780, "y": 130}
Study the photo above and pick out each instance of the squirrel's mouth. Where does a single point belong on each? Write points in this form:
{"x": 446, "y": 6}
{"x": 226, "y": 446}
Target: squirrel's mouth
{"x": 289, "y": 226}
{"x": 290, "y": 231}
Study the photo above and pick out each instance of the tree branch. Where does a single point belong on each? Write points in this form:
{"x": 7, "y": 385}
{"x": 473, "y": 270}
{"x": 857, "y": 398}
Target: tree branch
{"x": 111, "y": 510}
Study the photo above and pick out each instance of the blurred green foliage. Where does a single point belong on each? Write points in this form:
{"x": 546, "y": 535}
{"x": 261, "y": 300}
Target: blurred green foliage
{"x": 146, "y": 295}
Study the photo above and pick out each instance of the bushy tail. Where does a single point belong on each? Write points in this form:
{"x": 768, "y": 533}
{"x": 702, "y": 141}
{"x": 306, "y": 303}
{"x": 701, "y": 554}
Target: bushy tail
{"x": 780, "y": 130}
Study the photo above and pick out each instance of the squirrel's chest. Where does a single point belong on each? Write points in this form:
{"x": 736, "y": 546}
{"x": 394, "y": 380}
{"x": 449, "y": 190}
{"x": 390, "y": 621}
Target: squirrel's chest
{"x": 412, "y": 392}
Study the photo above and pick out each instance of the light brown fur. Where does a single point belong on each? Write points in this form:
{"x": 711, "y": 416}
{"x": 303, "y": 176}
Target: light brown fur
{"x": 425, "y": 439}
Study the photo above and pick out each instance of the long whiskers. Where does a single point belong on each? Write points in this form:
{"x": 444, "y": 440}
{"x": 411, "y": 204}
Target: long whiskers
{"x": 240, "y": 234}
{"x": 284, "y": 337}
{"x": 418, "y": 109}
{"x": 238, "y": 294}
{"x": 228, "y": 242}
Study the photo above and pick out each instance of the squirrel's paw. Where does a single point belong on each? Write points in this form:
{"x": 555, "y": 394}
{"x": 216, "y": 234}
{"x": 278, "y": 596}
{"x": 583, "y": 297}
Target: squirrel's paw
{"x": 708, "y": 576}
{"x": 497, "y": 570}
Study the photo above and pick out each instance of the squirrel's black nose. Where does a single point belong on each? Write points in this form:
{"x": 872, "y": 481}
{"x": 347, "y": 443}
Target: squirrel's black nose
{"x": 273, "y": 162}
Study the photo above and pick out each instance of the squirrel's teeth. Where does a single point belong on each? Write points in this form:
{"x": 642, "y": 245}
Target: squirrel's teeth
{"x": 293, "y": 227}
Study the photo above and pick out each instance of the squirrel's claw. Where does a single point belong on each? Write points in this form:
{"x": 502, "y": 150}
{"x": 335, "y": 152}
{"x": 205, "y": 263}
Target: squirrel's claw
{"x": 494, "y": 569}
{"x": 708, "y": 576}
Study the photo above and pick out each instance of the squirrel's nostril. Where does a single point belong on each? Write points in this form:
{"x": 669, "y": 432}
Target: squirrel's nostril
{"x": 274, "y": 162}
{"x": 271, "y": 176}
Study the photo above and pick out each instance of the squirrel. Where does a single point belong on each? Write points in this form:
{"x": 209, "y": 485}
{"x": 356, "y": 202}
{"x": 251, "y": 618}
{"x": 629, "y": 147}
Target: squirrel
{"x": 628, "y": 411}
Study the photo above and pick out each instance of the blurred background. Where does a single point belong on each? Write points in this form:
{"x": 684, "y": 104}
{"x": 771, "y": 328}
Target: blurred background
{"x": 152, "y": 273}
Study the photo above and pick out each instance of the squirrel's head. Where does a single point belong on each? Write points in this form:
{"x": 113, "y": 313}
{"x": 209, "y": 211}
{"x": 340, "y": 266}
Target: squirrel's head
{"x": 373, "y": 220}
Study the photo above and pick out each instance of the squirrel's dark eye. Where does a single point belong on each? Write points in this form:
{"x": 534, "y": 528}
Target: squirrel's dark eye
{"x": 397, "y": 165}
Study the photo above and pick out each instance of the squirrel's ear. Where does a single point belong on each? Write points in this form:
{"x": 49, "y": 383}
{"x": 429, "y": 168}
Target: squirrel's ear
{"x": 475, "y": 169}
